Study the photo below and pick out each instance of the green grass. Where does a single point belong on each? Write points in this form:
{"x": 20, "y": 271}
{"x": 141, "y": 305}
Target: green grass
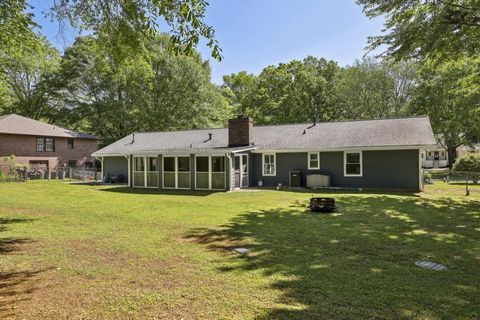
{"x": 91, "y": 252}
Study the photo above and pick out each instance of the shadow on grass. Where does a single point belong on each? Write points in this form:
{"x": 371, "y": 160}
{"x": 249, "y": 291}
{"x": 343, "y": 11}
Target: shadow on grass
{"x": 128, "y": 190}
{"x": 359, "y": 263}
{"x": 13, "y": 288}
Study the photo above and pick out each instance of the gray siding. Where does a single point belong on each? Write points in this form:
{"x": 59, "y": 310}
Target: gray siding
{"x": 115, "y": 166}
{"x": 395, "y": 169}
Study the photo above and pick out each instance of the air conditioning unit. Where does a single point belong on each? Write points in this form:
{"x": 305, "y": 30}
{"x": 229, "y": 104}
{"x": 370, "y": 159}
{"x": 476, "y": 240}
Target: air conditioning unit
{"x": 318, "y": 180}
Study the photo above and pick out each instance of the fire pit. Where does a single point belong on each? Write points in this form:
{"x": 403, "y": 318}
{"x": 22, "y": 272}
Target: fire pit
{"x": 326, "y": 205}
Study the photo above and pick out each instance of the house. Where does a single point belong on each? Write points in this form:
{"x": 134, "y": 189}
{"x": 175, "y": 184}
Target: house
{"x": 352, "y": 154}
{"x": 41, "y": 145}
{"x": 437, "y": 157}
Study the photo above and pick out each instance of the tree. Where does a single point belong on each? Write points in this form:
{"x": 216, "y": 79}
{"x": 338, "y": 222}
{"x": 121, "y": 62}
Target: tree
{"x": 24, "y": 80}
{"x": 427, "y": 29}
{"x": 450, "y": 94}
{"x": 242, "y": 85}
{"x": 468, "y": 165}
{"x": 154, "y": 91}
{"x": 374, "y": 89}
{"x": 16, "y": 26}
{"x": 129, "y": 21}
{"x": 296, "y": 91}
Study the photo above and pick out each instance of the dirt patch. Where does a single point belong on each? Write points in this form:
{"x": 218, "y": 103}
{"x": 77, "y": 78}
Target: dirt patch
{"x": 27, "y": 211}
{"x": 90, "y": 281}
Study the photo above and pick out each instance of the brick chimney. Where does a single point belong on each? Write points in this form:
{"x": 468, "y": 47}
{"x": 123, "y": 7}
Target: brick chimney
{"x": 240, "y": 131}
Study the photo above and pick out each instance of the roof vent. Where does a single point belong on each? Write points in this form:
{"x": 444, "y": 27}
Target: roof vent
{"x": 133, "y": 138}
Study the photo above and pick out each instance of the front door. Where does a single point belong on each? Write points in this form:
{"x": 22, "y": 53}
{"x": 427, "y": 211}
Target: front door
{"x": 241, "y": 171}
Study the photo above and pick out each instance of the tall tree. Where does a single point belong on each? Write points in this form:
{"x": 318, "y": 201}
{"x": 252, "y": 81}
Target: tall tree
{"x": 154, "y": 91}
{"x": 241, "y": 85}
{"x": 290, "y": 92}
{"x": 427, "y": 28}
{"x": 450, "y": 94}
{"x": 374, "y": 89}
{"x": 24, "y": 80}
{"x": 16, "y": 26}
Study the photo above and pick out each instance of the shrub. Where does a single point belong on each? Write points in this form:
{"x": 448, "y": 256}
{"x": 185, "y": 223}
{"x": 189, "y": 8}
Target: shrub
{"x": 427, "y": 177}
{"x": 468, "y": 163}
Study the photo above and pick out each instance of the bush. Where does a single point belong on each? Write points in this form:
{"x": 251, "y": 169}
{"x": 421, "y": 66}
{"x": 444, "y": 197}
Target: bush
{"x": 427, "y": 177}
{"x": 468, "y": 163}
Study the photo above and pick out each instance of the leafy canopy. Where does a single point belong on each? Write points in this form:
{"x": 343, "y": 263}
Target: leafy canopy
{"x": 468, "y": 163}
{"x": 426, "y": 28}
{"x": 131, "y": 20}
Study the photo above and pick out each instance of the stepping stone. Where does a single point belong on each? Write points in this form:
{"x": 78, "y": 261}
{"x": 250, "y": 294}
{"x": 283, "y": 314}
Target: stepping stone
{"x": 430, "y": 265}
{"x": 241, "y": 250}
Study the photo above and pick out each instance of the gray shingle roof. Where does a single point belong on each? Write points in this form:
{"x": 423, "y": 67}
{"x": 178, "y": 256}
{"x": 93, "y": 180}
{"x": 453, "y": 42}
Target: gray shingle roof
{"x": 15, "y": 124}
{"x": 415, "y": 131}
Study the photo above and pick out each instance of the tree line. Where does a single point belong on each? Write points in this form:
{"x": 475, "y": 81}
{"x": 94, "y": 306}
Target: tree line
{"x": 127, "y": 76}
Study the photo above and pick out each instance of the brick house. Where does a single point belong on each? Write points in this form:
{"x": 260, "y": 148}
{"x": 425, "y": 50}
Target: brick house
{"x": 38, "y": 144}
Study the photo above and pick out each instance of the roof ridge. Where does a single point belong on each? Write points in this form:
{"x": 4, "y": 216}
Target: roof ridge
{"x": 283, "y": 124}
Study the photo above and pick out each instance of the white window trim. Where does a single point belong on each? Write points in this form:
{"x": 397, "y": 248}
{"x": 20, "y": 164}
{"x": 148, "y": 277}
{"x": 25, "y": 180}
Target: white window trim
{"x": 176, "y": 173}
{"x": 210, "y": 172}
{"x": 318, "y": 161}
{"x": 345, "y": 163}
{"x": 274, "y": 165}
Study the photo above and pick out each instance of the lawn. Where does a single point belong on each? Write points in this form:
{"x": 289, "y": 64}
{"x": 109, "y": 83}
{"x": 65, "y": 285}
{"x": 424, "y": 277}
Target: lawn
{"x": 101, "y": 252}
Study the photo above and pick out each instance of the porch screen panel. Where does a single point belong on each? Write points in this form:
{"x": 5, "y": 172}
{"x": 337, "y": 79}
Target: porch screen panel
{"x": 169, "y": 172}
{"x": 183, "y": 164}
{"x": 138, "y": 172}
{"x": 218, "y": 172}
{"x": 152, "y": 172}
{"x": 202, "y": 174}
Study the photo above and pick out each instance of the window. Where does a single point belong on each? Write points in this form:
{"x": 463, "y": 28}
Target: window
{"x": 70, "y": 144}
{"x": 45, "y": 144}
{"x": 210, "y": 172}
{"x": 184, "y": 164}
{"x": 218, "y": 164}
{"x": 152, "y": 164}
{"x": 313, "y": 160}
{"x": 269, "y": 164}
{"x": 139, "y": 164}
{"x": 72, "y": 163}
{"x": 353, "y": 164}
{"x": 176, "y": 172}
{"x": 169, "y": 164}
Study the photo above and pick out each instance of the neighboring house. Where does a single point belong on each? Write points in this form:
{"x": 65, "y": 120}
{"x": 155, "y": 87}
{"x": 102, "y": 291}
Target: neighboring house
{"x": 38, "y": 144}
{"x": 437, "y": 157}
{"x": 354, "y": 154}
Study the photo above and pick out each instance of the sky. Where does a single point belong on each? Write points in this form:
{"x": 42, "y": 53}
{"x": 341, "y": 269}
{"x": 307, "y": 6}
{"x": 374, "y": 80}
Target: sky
{"x": 256, "y": 33}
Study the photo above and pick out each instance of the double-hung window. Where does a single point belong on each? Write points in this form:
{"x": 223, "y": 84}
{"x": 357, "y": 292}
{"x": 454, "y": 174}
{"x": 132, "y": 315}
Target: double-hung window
{"x": 269, "y": 164}
{"x": 45, "y": 144}
{"x": 313, "y": 160}
{"x": 352, "y": 164}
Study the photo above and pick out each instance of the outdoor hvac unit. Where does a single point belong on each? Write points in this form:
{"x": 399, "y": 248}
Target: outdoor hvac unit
{"x": 318, "y": 180}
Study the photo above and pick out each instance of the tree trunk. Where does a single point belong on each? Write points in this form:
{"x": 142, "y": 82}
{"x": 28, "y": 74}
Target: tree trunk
{"x": 452, "y": 155}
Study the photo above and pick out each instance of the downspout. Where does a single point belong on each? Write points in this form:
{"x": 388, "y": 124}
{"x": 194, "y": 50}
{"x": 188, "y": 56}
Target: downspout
{"x": 229, "y": 157}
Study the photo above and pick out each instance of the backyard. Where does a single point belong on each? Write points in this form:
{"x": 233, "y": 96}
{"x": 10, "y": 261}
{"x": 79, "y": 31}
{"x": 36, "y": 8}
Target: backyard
{"x": 103, "y": 252}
